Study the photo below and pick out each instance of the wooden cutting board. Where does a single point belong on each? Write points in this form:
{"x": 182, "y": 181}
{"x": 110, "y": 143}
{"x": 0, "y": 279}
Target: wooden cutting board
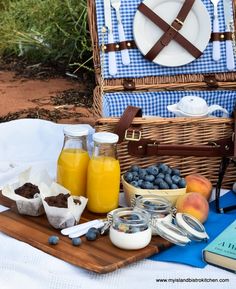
{"x": 99, "y": 256}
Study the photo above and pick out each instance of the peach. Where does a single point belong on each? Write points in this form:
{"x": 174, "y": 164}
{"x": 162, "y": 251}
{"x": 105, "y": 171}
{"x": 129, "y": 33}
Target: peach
{"x": 193, "y": 204}
{"x": 199, "y": 184}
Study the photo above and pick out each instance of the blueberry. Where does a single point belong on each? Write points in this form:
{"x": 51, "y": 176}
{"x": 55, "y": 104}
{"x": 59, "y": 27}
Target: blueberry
{"x": 147, "y": 185}
{"x": 140, "y": 183}
{"x": 175, "y": 172}
{"x": 94, "y": 230}
{"x": 182, "y": 183}
{"x": 147, "y": 203}
{"x": 134, "y": 217}
{"x": 175, "y": 179}
{"x": 134, "y": 183}
{"x": 160, "y": 175}
{"x": 149, "y": 178}
{"x": 76, "y": 241}
{"x": 91, "y": 235}
{"x": 53, "y": 240}
{"x": 135, "y": 174}
{"x": 156, "y": 187}
{"x": 169, "y": 171}
{"x": 134, "y": 168}
{"x": 142, "y": 173}
{"x": 157, "y": 181}
{"x": 136, "y": 178}
{"x": 163, "y": 168}
{"x": 143, "y": 228}
{"x": 174, "y": 186}
{"x": 163, "y": 185}
{"x": 153, "y": 170}
{"x": 168, "y": 180}
{"x": 135, "y": 230}
{"x": 128, "y": 177}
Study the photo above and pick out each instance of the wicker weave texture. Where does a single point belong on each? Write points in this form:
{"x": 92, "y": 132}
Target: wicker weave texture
{"x": 186, "y": 81}
{"x": 188, "y": 131}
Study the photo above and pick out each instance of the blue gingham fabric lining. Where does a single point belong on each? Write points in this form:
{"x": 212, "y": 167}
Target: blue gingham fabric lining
{"x": 139, "y": 66}
{"x": 155, "y": 103}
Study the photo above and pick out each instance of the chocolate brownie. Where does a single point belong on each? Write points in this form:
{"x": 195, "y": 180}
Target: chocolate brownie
{"x": 59, "y": 201}
{"x": 28, "y": 190}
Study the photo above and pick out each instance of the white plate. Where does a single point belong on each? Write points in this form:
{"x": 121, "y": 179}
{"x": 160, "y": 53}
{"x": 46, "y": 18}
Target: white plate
{"x": 196, "y": 28}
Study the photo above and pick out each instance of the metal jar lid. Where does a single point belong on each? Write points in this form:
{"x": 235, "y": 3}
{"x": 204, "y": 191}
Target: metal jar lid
{"x": 185, "y": 229}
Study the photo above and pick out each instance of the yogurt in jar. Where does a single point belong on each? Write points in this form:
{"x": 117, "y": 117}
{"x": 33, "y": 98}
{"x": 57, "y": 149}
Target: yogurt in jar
{"x": 130, "y": 229}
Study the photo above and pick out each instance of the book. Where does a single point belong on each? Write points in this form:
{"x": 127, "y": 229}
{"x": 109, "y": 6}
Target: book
{"x": 221, "y": 251}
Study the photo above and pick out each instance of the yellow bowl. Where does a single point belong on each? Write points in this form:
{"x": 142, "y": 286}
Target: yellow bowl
{"x": 131, "y": 192}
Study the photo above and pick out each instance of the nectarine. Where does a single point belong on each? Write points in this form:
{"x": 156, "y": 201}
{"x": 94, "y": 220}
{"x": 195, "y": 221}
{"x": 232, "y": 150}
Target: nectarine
{"x": 199, "y": 184}
{"x": 193, "y": 204}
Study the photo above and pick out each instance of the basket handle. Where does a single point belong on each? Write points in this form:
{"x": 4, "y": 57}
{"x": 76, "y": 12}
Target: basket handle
{"x": 126, "y": 120}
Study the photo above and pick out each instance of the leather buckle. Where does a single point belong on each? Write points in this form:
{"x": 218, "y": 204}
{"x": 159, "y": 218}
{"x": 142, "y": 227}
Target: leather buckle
{"x": 179, "y": 24}
{"x": 133, "y": 135}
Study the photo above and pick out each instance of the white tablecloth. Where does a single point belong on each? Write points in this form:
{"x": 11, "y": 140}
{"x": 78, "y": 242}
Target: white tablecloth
{"x": 37, "y": 142}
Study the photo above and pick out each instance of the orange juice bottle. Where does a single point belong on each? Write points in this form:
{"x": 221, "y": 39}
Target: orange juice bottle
{"x": 73, "y": 160}
{"x": 103, "y": 179}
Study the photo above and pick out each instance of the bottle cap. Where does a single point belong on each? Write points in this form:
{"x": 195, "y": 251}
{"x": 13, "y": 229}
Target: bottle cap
{"x": 75, "y": 130}
{"x": 105, "y": 137}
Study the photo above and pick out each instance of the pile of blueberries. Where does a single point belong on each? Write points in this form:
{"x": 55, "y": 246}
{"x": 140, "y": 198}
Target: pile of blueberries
{"x": 155, "y": 177}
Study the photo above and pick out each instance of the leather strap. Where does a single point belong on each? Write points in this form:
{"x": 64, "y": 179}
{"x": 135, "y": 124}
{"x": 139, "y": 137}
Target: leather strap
{"x": 221, "y": 36}
{"x": 194, "y": 51}
{"x": 170, "y": 34}
{"x": 129, "y": 44}
{"x": 146, "y": 147}
{"x": 126, "y": 120}
{"x": 234, "y": 134}
{"x": 225, "y": 161}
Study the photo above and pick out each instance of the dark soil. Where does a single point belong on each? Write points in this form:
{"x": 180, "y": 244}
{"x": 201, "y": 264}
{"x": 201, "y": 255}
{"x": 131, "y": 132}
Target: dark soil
{"x": 72, "y": 104}
{"x": 25, "y": 69}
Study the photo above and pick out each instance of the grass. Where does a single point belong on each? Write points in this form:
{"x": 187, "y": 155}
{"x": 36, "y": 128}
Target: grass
{"x": 45, "y": 30}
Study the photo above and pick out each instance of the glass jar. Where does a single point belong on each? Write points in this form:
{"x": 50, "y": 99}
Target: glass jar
{"x": 103, "y": 181}
{"x": 184, "y": 229}
{"x": 130, "y": 229}
{"x": 158, "y": 207}
{"x": 73, "y": 160}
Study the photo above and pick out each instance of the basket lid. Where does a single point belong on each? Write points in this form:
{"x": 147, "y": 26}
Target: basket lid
{"x": 140, "y": 71}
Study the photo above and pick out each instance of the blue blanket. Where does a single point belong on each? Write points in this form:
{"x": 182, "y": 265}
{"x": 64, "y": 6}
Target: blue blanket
{"x": 215, "y": 224}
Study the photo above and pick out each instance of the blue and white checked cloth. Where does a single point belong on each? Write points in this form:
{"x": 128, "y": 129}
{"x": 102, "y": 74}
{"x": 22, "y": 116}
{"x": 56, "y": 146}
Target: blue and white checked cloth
{"x": 155, "y": 103}
{"x": 141, "y": 67}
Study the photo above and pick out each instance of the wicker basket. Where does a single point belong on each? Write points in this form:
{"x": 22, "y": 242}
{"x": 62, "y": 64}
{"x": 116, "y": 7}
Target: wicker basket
{"x": 224, "y": 81}
{"x": 187, "y": 131}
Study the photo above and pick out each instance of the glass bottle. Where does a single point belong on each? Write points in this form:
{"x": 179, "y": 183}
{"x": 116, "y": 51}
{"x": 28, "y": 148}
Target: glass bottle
{"x": 73, "y": 160}
{"x": 103, "y": 179}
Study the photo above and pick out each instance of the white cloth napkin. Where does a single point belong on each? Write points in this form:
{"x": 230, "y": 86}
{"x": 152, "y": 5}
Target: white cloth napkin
{"x": 38, "y": 142}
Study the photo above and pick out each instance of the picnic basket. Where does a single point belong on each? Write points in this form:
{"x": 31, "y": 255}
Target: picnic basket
{"x": 218, "y": 84}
